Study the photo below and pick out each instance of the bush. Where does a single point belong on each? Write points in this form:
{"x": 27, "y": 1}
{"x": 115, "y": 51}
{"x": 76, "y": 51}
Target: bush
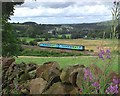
{"x": 46, "y": 39}
{"x": 23, "y": 41}
{"x": 33, "y": 52}
{"x": 33, "y": 43}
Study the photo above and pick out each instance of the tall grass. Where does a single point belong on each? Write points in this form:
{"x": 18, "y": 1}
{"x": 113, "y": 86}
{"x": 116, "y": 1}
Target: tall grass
{"x": 48, "y": 53}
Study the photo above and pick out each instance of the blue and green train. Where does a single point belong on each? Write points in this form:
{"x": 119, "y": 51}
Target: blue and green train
{"x": 63, "y": 46}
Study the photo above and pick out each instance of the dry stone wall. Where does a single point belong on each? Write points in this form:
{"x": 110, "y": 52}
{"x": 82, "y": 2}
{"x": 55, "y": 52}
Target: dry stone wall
{"x": 47, "y": 78}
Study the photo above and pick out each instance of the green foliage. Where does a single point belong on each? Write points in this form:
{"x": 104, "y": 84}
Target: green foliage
{"x": 35, "y": 30}
{"x": 75, "y": 35}
{"x": 48, "y": 53}
{"x": 38, "y": 40}
{"x": 24, "y": 41}
{"x": 63, "y": 36}
{"x": 10, "y": 43}
{"x": 8, "y": 9}
{"x": 46, "y": 39}
{"x": 33, "y": 43}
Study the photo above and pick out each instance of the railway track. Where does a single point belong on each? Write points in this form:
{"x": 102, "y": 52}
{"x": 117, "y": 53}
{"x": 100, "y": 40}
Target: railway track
{"x": 58, "y": 50}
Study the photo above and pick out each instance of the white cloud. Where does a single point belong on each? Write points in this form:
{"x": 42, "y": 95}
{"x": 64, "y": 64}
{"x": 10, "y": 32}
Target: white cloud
{"x": 63, "y": 8}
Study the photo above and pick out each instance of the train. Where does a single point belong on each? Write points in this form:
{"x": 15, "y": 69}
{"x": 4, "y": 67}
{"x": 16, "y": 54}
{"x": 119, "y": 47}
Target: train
{"x": 63, "y": 46}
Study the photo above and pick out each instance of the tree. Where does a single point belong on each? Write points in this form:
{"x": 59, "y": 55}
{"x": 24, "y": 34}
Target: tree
{"x": 46, "y": 39}
{"x": 30, "y": 32}
{"x": 10, "y": 46}
{"x": 75, "y": 35}
{"x": 63, "y": 36}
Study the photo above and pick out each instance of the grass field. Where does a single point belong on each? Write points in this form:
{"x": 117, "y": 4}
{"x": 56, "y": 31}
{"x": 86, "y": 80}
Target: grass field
{"x": 66, "y": 61}
{"x": 89, "y": 44}
{"x": 86, "y": 60}
{"x": 27, "y": 39}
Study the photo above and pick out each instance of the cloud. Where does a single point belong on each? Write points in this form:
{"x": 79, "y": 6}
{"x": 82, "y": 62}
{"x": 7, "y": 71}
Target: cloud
{"x": 68, "y": 9}
{"x": 73, "y": 10}
{"x": 57, "y": 4}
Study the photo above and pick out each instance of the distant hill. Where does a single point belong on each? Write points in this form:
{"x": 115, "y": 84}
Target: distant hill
{"x": 29, "y": 23}
{"x": 92, "y": 30}
{"x": 105, "y": 23}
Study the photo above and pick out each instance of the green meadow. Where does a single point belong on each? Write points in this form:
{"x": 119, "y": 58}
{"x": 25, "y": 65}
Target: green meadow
{"x": 67, "y": 61}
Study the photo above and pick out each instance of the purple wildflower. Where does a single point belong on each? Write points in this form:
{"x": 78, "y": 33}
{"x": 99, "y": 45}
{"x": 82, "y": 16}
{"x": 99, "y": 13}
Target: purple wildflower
{"x": 88, "y": 74}
{"x": 108, "y": 51}
{"x": 112, "y": 89}
{"x": 108, "y": 56}
{"x": 102, "y": 51}
{"x": 116, "y": 80}
{"x": 96, "y": 85}
{"x": 101, "y": 56}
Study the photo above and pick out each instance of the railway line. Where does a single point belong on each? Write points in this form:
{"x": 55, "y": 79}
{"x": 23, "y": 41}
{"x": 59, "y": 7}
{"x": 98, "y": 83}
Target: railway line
{"x": 60, "y": 50}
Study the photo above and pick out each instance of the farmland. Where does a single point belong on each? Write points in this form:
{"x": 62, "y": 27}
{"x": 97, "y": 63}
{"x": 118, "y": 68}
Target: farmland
{"x": 70, "y": 60}
{"x": 89, "y": 44}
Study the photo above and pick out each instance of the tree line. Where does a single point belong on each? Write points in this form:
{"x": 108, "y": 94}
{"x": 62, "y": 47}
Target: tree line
{"x": 86, "y": 30}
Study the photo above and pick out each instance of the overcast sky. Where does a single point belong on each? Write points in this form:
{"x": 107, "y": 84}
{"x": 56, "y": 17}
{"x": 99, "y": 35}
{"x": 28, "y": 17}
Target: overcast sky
{"x": 63, "y": 11}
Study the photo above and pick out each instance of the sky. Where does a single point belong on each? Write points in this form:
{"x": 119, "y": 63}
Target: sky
{"x": 63, "y": 11}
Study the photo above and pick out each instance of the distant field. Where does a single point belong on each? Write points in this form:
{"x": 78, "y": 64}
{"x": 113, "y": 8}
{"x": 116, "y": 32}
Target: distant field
{"x": 89, "y": 44}
{"x": 27, "y": 39}
{"x": 66, "y": 61}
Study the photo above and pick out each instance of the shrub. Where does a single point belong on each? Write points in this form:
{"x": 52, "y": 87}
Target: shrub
{"x": 24, "y": 41}
{"x": 46, "y": 39}
{"x": 33, "y": 43}
{"x": 33, "y": 52}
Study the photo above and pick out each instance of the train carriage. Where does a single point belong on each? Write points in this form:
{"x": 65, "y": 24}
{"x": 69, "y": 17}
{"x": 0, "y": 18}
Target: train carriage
{"x": 63, "y": 46}
{"x": 48, "y": 45}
